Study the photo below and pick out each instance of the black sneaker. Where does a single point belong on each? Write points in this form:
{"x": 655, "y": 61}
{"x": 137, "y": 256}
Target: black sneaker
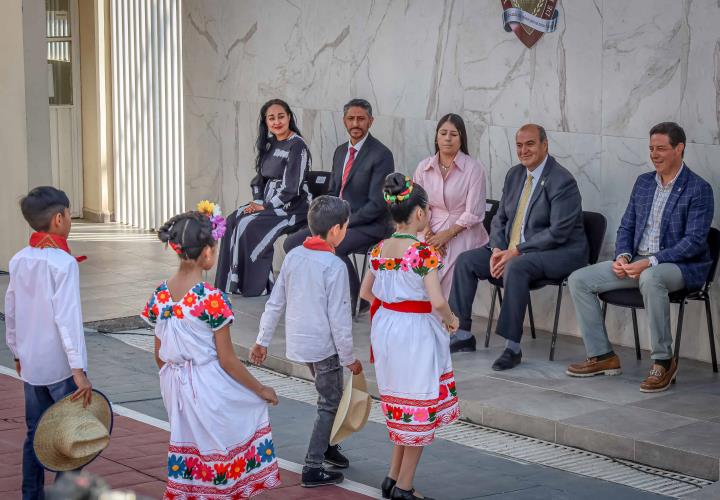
{"x": 507, "y": 360}
{"x": 317, "y": 476}
{"x": 335, "y": 458}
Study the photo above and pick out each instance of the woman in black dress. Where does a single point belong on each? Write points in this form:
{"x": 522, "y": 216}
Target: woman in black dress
{"x": 280, "y": 203}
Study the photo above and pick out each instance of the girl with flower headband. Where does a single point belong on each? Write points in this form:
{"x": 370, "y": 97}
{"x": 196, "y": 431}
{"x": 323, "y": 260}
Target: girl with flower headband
{"x": 410, "y": 346}
{"x": 221, "y": 454}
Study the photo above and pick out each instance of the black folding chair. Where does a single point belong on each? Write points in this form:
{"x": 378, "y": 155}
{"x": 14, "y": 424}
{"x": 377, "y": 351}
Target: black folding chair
{"x": 318, "y": 182}
{"x": 632, "y": 298}
{"x": 595, "y": 225}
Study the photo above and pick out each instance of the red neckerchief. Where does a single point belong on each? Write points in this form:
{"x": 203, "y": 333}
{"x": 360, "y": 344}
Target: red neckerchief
{"x": 317, "y": 243}
{"x": 47, "y": 240}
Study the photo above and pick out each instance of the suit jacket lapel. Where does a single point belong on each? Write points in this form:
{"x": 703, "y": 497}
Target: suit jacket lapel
{"x": 540, "y": 185}
{"x": 672, "y": 200}
{"x": 364, "y": 151}
{"x": 644, "y": 203}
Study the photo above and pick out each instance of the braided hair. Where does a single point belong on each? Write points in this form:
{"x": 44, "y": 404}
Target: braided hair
{"x": 188, "y": 234}
{"x": 403, "y": 196}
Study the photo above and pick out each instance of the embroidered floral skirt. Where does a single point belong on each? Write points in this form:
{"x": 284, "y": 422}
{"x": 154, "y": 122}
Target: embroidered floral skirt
{"x": 247, "y": 470}
{"x": 412, "y": 422}
{"x": 414, "y": 375}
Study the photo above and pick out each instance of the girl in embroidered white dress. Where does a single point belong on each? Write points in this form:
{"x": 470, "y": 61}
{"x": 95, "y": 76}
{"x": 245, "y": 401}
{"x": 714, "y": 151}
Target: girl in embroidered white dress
{"x": 220, "y": 440}
{"x": 411, "y": 348}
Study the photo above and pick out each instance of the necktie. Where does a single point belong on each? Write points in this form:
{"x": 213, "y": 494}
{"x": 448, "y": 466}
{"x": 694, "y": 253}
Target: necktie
{"x": 520, "y": 214}
{"x": 346, "y": 171}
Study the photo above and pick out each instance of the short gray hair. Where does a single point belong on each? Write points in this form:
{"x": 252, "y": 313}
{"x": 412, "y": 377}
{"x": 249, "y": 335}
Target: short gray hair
{"x": 358, "y": 103}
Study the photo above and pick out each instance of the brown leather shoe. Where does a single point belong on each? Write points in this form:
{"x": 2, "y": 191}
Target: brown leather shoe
{"x": 659, "y": 379}
{"x": 591, "y": 367}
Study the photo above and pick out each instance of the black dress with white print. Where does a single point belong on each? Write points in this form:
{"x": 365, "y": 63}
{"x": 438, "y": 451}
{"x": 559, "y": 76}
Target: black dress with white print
{"x": 246, "y": 252}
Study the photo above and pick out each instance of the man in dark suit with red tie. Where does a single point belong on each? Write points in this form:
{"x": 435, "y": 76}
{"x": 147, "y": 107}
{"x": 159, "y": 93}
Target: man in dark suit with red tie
{"x": 358, "y": 174}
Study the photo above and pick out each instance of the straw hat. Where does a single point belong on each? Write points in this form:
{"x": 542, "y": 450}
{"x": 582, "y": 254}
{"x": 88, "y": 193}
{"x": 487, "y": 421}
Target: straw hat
{"x": 69, "y": 436}
{"x": 353, "y": 411}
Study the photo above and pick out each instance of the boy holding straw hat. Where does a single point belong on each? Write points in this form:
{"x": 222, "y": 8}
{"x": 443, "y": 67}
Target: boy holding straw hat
{"x": 44, "y": 320}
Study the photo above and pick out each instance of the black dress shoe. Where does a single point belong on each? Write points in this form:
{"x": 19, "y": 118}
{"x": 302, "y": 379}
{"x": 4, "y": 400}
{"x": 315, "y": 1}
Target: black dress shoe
{"x": 466, "y": 345}
{"x": 386, "y": 487}
{"x": 398, "y": 494}
{"x": 317, "y": 476}
{"x": 507, "y": 360}
{"x": 334, "y": 457}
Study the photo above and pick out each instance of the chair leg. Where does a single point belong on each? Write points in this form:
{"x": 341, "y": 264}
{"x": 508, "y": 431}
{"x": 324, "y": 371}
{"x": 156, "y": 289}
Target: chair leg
{"x": 532, "y": 318}
{"x": 555, "y": 325}
{"x": 638, "y": 354}
{"x": 681, "y": 315}
{"x": 499, "y": 290}
{"x": 711, "y": 333}
{"x": 356, "y": 309}
{"x": 490, "y": 316}
{"x": 604, "y": 311}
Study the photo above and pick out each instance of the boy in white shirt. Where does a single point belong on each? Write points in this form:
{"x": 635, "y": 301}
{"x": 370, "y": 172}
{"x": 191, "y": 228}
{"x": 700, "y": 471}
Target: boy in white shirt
{"x": 44, "y": 320}
{"x": 314, "y": 291}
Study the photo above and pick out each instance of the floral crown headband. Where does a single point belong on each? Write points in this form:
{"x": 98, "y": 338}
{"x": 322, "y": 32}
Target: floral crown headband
{"x": 211, "y": 211}
{"x": 402, "y": 196}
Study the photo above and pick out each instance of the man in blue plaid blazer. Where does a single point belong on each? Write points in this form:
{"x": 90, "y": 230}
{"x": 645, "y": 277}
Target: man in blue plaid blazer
{"x": 661, "y": 247}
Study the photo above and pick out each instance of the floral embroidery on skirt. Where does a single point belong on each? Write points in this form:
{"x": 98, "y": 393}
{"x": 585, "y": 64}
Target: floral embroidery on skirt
{"x": 247, "y": 470}
{"x": 412, "y": 422}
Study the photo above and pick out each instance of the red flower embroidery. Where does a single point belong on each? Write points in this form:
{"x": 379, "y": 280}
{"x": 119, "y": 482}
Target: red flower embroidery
{"x": 397, "y": 413}
{"x": 424, "y": 253}
{"x": 221, "y": 468}
{"x": 215, "y": 305}
{"x": 163, "y": 296}
{"x": 236, "y": 468}
{"x": 443, "y": 392}
{"x": 375, "y": 264}
{"x": 190, "y": 299}
{"x": 154, "y": 310}
{"x": 146, "y": 310}
{"x": 250, "y": 454}
{"x": 202, "y": 472}
{"x": 178, "y": 311}
{"x": 191, "y": 463}
{"x": 198, "y": 310}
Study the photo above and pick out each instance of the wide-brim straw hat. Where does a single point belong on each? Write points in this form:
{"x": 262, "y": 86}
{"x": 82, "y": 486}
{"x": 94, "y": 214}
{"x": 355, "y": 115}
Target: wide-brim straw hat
{"x": 353, "y": 411}
{"x": 69, "y": 436}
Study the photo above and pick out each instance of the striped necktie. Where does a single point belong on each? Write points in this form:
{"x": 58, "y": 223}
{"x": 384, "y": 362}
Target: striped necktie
{"x": 520, "y": 213}
{"x": 348, "y": 166}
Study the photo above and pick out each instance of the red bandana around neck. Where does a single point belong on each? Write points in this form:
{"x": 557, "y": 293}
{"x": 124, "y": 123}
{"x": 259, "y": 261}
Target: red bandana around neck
{"x": 47, "y": 240}
{"x": 317, "y": 243}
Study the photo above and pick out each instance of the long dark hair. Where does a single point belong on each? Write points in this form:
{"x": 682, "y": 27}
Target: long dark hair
{"x": 459, "y": 125}
{"x": 262, "y": 144}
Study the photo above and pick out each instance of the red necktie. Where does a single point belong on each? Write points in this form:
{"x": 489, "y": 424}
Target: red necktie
{"x": 348, "y": 166}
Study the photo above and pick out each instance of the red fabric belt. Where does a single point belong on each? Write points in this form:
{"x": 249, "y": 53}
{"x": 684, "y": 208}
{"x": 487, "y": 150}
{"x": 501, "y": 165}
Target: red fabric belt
{"x": 406, "y": 306}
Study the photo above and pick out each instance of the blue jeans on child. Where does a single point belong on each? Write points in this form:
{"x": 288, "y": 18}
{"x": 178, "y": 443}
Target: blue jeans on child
{"x": 38, "y": 398}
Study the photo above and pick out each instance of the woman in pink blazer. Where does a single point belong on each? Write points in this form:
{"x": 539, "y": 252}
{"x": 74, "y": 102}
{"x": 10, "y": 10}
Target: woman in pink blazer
{"x": 455, "y": 183}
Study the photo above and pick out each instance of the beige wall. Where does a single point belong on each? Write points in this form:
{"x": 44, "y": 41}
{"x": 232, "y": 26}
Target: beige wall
{"x": 13, "y": 134}
{"x": 95, "y": 80}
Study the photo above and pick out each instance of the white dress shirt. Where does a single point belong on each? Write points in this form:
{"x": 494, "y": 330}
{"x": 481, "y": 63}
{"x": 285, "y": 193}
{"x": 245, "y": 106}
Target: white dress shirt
{"x": 536, "y": 174}
{"x": 356, "y": 147}
{"x": 43, "y": 316}
{"x": 314, "y": 291}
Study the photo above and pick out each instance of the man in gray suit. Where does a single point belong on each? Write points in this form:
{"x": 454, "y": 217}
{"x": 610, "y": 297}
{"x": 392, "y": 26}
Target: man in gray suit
{"x": 537, "y": 233}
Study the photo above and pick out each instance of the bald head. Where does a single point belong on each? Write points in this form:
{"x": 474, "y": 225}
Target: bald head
{"x": 532, "y": 145}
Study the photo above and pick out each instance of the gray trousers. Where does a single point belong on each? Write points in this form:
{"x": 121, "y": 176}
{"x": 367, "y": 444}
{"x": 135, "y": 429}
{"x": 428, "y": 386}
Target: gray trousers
{"x": 329, "y": 383}
{"x": 655, "y": 284}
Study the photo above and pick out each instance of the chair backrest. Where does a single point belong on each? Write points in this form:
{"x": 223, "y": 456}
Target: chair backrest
{"x": 595, "y": 225}
{"x": 318, "y": 182}
{"x": 713, "y": 240}
{"x": 491, "y": 208}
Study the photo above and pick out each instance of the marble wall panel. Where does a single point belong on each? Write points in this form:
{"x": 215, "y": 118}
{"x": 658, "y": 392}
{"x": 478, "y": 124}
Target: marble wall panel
{"x": 660, "y": 62}
{"x": 611, "y": 70}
